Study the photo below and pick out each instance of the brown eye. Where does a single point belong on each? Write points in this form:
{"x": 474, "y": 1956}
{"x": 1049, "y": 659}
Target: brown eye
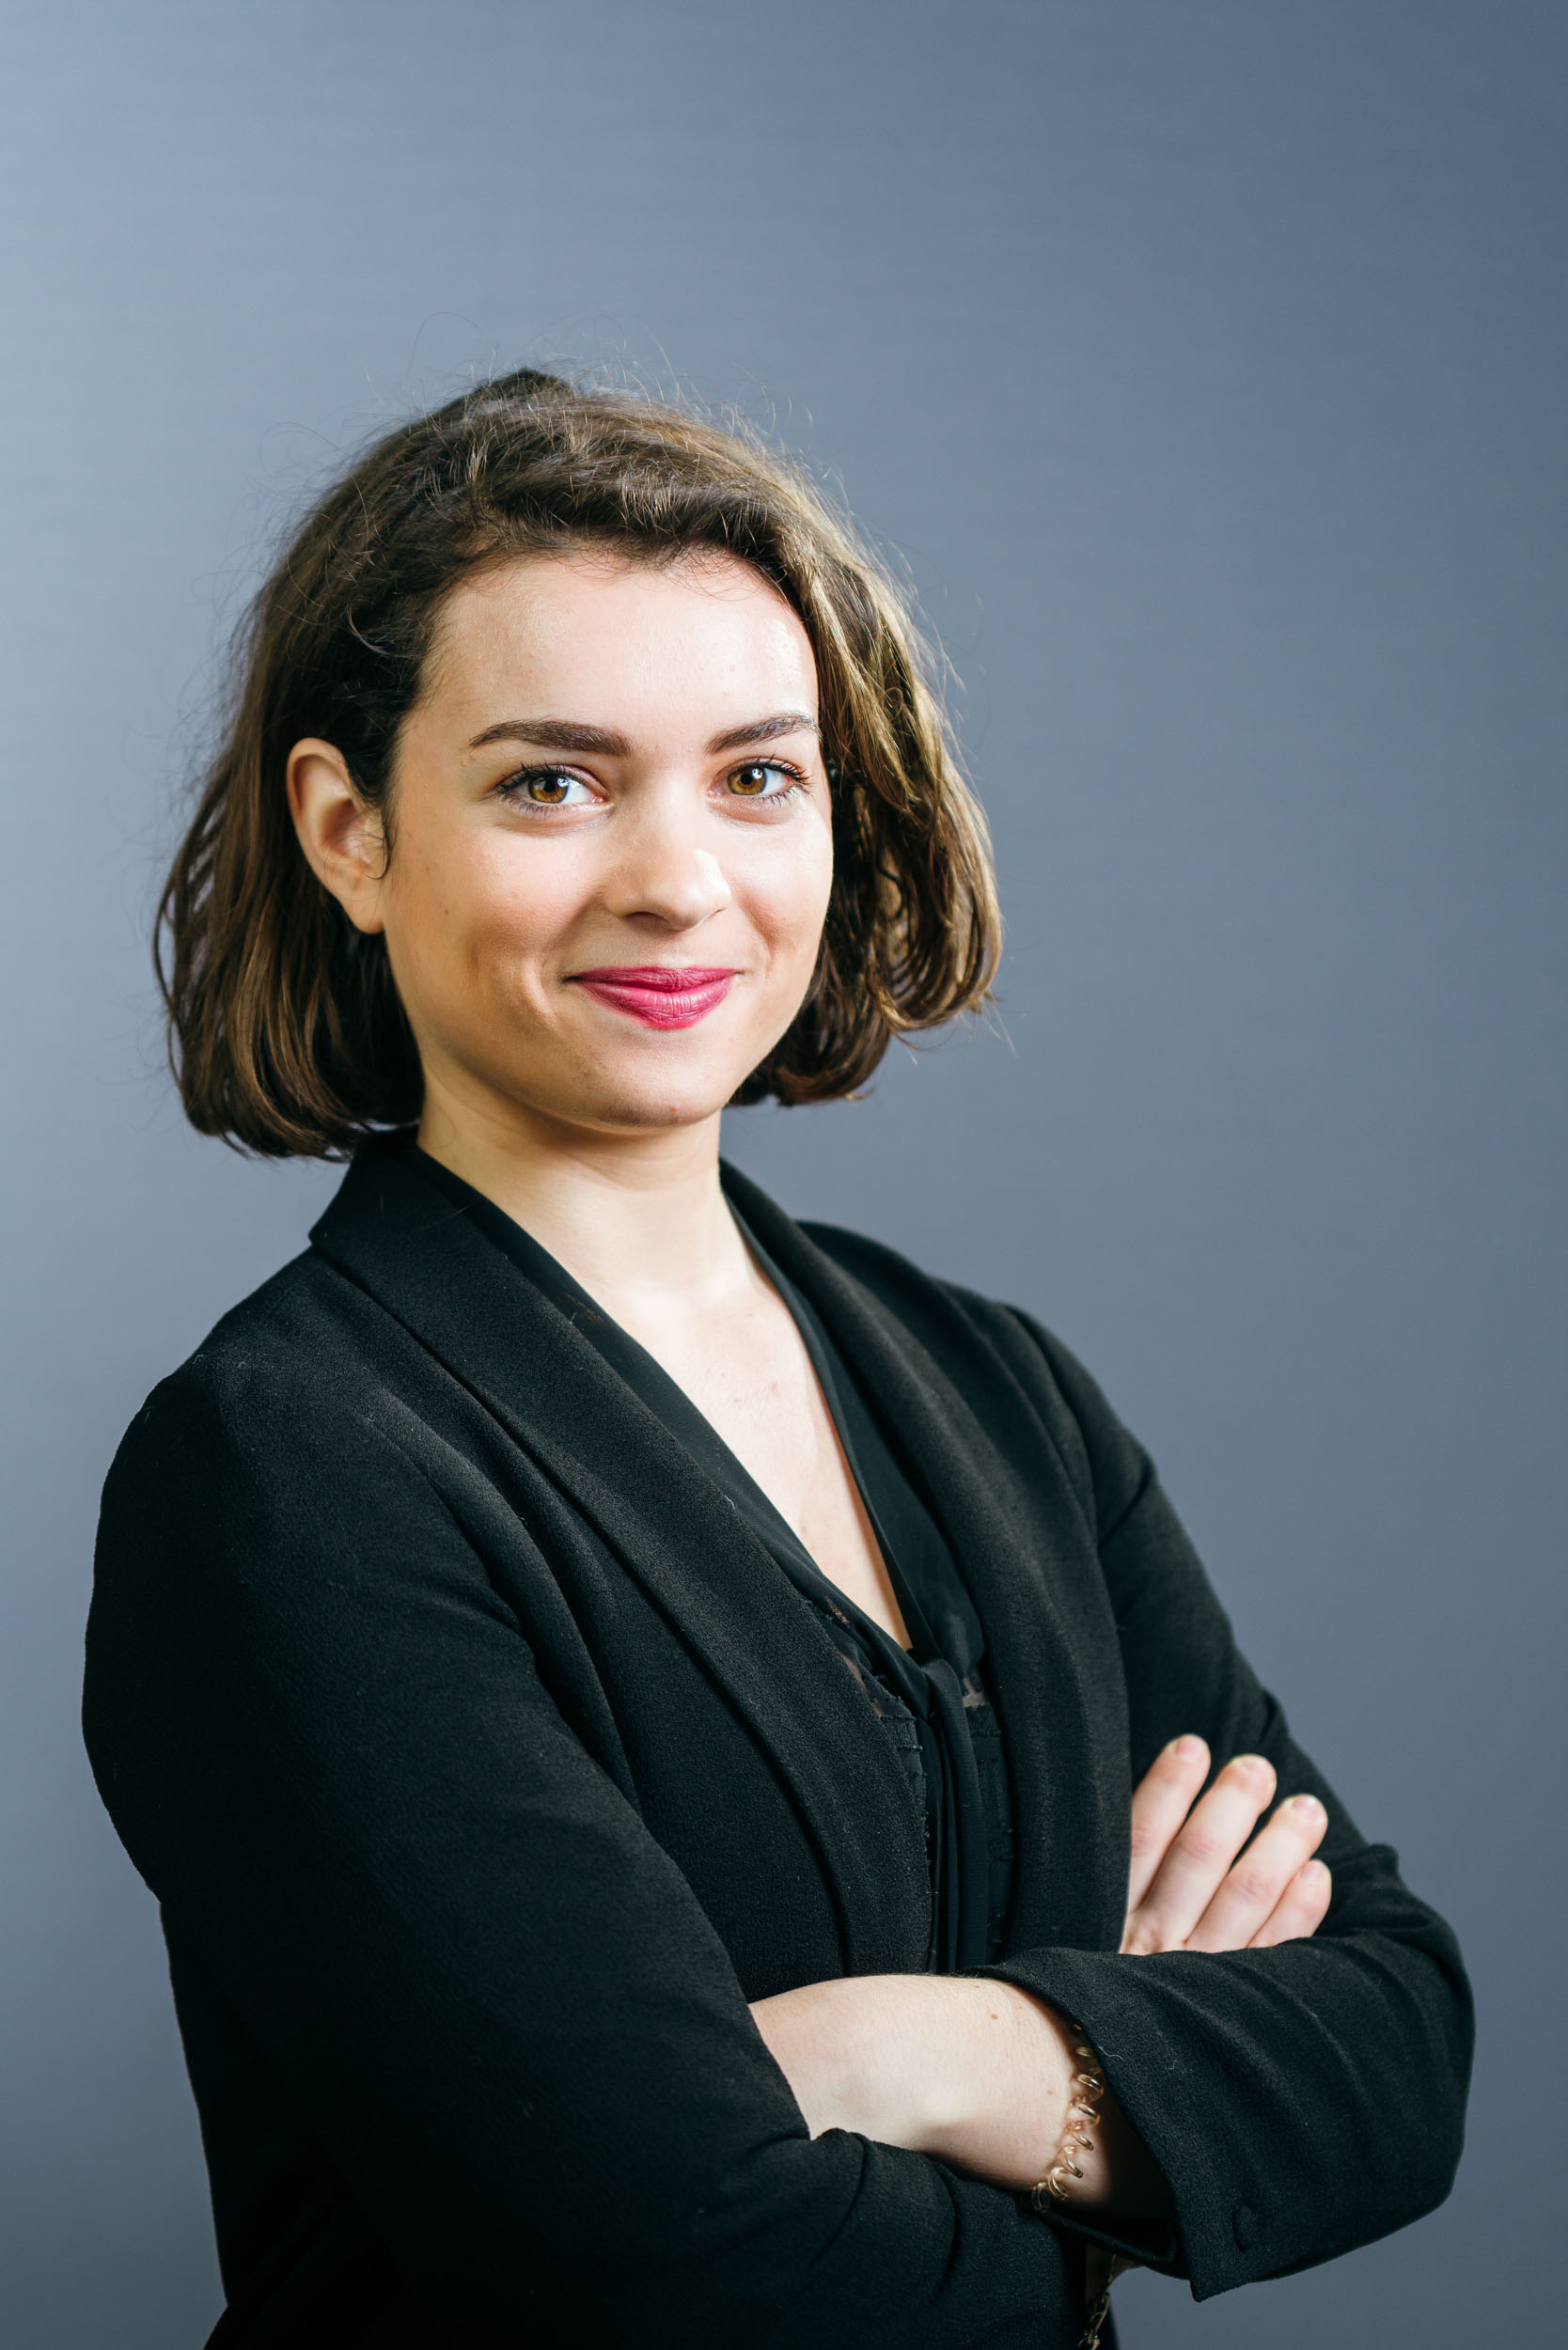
{"x": 545, "y": 786}
{"x": 763, "y": 779}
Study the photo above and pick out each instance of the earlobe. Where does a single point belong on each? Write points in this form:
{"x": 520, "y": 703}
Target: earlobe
{"x": 342, "y": 840}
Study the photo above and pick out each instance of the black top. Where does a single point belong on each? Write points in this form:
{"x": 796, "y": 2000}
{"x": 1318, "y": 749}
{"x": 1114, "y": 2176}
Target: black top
{"x": 933, "y": 1697}
{"x": 485, "y": 1767}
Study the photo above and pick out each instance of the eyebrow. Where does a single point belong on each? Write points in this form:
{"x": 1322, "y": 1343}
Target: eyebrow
{"x": 569, "y": 734}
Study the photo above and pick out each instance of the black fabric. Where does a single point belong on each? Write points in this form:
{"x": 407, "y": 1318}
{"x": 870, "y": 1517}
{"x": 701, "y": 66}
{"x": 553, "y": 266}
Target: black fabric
{"x": 485, "y": 1766}
{"x": 936, "y": 1687}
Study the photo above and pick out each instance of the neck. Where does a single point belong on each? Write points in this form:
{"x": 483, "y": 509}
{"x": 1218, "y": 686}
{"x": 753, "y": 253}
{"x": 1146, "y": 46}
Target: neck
{"x": 633, "y": 1216}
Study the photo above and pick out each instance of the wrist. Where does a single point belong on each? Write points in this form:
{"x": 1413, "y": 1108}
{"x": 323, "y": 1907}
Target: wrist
{"x": 1079, "y": 2163}
{"x": 1098, "y": 2160}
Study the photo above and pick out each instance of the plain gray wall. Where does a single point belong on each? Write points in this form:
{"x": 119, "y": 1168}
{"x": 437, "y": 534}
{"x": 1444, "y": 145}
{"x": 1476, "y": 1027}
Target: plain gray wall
{"x": 1204, "y": 358}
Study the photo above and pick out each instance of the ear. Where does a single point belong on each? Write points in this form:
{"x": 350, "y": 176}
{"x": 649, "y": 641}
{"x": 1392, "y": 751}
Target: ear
{"x": 344, "y": 841}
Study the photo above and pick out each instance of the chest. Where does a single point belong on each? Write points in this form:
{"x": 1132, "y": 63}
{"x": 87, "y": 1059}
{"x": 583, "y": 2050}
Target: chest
{"x": 705, "y": 1687}
{"x": 750, "y": 1375}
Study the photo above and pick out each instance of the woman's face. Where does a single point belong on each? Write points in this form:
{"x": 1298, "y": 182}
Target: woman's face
{"x": 611, "y": 842}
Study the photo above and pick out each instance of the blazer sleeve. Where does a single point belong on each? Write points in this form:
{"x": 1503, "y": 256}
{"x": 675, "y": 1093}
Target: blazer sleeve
{"x": 484, "y": 1987}
{"x": 1301, "y": 2100}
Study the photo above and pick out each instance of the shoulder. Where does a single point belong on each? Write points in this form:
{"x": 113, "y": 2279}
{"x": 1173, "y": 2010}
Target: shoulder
{"x": 288, "y": 1345}
{"x": 279, "y": 1508}
{"x": 283, "y": 1402}
{"x": 973, "y": 1337}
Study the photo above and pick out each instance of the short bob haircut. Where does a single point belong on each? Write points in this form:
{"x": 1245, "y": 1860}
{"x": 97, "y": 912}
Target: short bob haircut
{"x": 286, "y": 1036}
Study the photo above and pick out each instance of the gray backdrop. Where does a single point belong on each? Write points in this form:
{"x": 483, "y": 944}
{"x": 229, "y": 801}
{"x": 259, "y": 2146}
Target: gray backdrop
{"x": 1204, "y": 360}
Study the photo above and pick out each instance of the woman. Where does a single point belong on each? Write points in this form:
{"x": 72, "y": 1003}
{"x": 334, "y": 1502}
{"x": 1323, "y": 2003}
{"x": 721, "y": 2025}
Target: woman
{"x": 631, "y": 1706}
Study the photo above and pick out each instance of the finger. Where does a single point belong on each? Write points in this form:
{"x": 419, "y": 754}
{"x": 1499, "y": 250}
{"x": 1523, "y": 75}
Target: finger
{"x": 1195, "y": 1866}
{"x": 1254, "y": 1886}
{"x": 1161, "y": 1801}
{"x": 1300, "y": 1909}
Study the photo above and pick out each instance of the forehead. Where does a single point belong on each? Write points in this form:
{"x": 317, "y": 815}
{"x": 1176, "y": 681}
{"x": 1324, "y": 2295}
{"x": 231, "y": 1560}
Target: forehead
{"x": 696, "y": 643}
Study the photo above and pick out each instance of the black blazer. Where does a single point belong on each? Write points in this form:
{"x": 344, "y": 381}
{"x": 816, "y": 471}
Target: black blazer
{"x": 485, "y": 1766}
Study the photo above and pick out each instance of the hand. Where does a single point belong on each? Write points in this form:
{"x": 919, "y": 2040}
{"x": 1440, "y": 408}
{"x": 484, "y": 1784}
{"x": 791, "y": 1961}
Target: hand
{"x": 1187, "y": 1890}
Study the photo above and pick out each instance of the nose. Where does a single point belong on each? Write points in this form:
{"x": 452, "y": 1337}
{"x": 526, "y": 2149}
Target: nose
{"x": 663, "y": 873}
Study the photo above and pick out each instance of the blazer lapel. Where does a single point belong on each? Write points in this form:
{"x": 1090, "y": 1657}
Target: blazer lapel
{"x": 404, "y": 1243}
{"x": 993, "y": 1476}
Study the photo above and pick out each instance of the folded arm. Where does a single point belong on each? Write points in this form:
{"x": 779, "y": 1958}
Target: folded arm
{"x": 1285, "y": 2039}
{"x": 1298, "y": 2099}
{"x": 983, "y": 2072}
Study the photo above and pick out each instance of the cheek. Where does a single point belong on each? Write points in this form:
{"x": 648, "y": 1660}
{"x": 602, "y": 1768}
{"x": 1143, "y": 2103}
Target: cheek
{"x": 791, "y": 894}
{"x": 476, "y": 908}
{"x": 522, "y": 904}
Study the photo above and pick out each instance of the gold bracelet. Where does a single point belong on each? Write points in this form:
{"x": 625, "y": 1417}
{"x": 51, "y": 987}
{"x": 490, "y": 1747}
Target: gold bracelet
{"x": 1083, "y": 2111}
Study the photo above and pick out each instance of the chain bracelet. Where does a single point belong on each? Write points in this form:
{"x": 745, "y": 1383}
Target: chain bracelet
{"x": 1083, "y": 2111}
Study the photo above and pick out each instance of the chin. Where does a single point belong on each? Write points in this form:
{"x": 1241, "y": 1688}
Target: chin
{"x": 648, "y": 1100}
{"x": 657, "y": 1082}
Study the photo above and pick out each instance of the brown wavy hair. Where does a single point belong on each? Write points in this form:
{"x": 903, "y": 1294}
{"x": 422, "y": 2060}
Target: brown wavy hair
{"x": 286, "y": 1033}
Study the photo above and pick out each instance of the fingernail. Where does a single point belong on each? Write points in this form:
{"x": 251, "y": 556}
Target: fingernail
{"x": 1305, "y": 1804}
{"x": 1187, "y": 1750}
{"x": 1314, "y": 1871}
{"x": 1255, "y": 1765}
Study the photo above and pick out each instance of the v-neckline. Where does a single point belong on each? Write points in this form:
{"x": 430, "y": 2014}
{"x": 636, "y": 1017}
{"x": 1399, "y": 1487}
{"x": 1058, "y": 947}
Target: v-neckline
{"x": 689, "y": 1424}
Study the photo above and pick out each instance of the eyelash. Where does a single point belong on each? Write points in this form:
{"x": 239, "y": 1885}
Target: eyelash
{"x": 514, "y": 786}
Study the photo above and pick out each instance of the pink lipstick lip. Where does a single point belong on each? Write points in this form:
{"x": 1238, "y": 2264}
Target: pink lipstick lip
{"x": 660, "y": 995}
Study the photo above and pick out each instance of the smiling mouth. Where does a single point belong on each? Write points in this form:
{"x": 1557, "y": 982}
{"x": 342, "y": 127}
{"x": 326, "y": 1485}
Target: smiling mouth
{"x": 660, "y": 995}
